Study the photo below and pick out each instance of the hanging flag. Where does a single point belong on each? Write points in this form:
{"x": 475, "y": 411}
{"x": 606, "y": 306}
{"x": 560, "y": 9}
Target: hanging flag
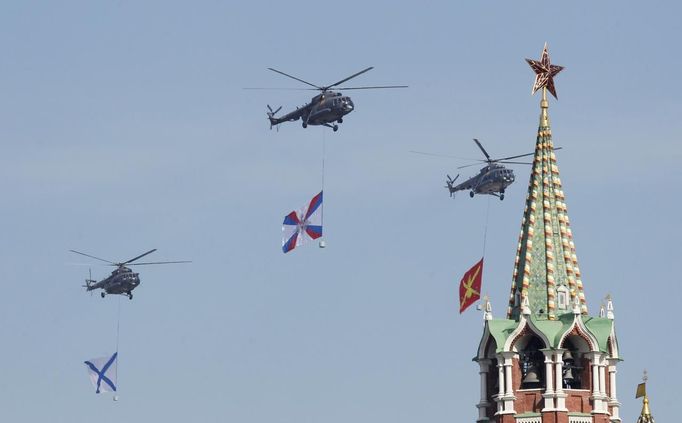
{"x": 641, "y": 390}
{"x": 470, "y": 286}
{"x": 299, "y": 227}
{"x": 102, "y": 372}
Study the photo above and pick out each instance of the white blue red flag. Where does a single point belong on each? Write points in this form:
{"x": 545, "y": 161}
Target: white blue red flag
{"x": 299, "y": 227}
{"x": 102, "y": 372}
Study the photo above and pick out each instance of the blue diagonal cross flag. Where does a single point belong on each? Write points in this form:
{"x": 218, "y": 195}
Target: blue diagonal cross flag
{"x": 102, "y": 372}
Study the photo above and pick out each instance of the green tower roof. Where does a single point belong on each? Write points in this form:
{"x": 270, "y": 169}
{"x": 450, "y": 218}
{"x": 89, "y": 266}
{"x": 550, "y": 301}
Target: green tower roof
{"x": 546, "y": 271}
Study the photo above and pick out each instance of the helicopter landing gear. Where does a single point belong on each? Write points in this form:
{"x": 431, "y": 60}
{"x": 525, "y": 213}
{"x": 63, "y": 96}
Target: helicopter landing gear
{"x": 130, "y": 295}
{"x": 334, "y": 127}
{"x": 305, "y": 124}
{"x": 501, "y": 196}
{"x": 103, "y": 294}
{"x": 471, "y": 194}
{"x": 340, "y": 120}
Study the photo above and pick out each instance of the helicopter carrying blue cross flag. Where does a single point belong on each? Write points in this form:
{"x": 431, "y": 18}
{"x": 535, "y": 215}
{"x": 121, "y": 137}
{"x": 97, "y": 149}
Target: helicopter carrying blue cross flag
{"x": 122, "y": 280}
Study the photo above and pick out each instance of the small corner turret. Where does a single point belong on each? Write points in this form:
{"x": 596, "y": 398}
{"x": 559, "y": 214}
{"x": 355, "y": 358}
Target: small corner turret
{"x": 645, "y": 416}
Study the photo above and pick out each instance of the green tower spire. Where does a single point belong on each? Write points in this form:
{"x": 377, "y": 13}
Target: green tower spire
{"x": 547, "y": 351}
{"x": 546, "y": 273}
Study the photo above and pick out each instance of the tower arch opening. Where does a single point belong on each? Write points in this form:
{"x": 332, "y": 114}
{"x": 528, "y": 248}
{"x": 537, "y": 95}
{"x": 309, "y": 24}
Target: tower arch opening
{"x": 531, "y": 362}
{"x": 575, "y": 371}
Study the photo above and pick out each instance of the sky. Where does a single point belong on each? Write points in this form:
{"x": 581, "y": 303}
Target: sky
{"x": 124, "y": 127}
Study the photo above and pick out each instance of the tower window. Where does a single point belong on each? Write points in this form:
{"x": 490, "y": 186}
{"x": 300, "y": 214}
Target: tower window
{"x": 562, "y": 297}
{"x": 572, "y": 369}
{"x": 532, "y": 368}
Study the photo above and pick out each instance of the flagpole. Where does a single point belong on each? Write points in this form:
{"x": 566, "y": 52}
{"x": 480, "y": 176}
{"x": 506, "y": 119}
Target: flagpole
{"x": 118, "y": 333}
{"x": 322, "y": 244}
{"x": 118, "y": 323}
{"x": 485, "y": 230}
{"x": 324, "y": 152}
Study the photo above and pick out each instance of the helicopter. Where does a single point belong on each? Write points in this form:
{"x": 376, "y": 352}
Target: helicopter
{"x": 122, "y": 280}
{"x": 492, "y": 179}
{"x": 326, "y": 108}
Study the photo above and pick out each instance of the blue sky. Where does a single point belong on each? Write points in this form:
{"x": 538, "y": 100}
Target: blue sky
{"x": 124, "y": 128}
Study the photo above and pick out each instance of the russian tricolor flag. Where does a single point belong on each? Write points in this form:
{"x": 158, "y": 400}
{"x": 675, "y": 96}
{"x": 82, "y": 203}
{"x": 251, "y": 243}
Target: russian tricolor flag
{"x": 306, "y": 225}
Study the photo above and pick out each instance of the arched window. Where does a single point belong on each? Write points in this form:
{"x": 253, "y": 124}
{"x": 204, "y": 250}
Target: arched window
{"x": 531, "y": 360}
{"x": 575, "y": 370}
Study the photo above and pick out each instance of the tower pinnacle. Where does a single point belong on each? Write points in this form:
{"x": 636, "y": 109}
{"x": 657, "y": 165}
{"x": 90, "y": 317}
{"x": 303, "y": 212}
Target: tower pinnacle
{"x": 546, "y": 274}
{"x": 544, "y": 73}
{"x": 645, "y": 416}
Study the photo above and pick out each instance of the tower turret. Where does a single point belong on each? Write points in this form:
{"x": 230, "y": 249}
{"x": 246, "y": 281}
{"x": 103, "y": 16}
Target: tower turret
{"x": 548, "y": 361}
{"x": 645, "y": 416}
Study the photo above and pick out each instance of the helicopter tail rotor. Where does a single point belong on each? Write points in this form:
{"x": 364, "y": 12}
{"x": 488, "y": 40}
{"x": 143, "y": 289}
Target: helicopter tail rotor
{"x": 271, "y": 116}
{"x": 451, "y": 184}
{"x": 89, "y": 281}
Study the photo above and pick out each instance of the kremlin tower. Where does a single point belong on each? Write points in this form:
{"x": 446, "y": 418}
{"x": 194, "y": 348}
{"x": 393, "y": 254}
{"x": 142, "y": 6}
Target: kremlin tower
{"x": 548, "y": 360}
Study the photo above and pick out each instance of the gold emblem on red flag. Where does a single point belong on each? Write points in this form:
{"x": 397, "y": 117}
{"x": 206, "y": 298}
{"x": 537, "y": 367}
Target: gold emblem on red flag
{"x": 470, "y": 286}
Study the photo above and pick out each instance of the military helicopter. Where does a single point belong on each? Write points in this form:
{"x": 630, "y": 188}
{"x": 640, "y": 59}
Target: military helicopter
{"x": 122, "y": 280}
{"x": 492, "y": 179}
{"x": 327, "y": 108}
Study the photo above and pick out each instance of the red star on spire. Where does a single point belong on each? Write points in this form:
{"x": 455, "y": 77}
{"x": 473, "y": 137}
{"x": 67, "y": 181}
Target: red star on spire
{"x": 544, "y": 72}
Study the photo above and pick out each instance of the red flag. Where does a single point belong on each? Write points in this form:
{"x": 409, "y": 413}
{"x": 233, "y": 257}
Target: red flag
{"x": 470, "y": 286}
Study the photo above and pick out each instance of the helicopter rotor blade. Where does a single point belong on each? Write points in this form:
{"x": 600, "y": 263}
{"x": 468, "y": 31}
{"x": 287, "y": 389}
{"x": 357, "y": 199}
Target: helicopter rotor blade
{"x": 280, "y": 89}
{"x": 350, "y": 77}
{"x": 136, "y": 258}
{"x": 453, "y": 180}
{"x": 520, "y": 155}
{"x": 469, "y": 165}
{"x": 96, "y": 258}
{"x": 298, "y": 79}
{"x": 444, "y": 155}
{"x": 513, "y": 157}
{"x": 274, "y": 112}
{"x": 508, "y": 162}
{"x": 482, "y": 149}
{"x": 372, "y": 88}
{"x": 160, "y": 262}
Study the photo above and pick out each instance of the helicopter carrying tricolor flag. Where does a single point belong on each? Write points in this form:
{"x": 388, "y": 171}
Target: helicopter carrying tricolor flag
{"x": 103, "y": 372}
{"x": 306, "y": 225}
